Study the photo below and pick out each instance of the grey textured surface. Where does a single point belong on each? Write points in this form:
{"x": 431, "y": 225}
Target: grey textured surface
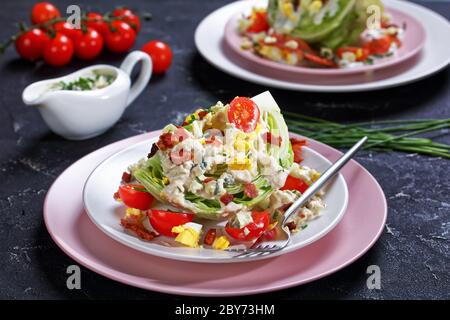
{"x": 413, "y": 251}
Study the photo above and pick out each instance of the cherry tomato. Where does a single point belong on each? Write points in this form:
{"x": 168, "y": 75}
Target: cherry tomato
{"x": 58, "y": 51}
{"x": 31, "y": 44}
{"x": 67, "y": 29}
{"x": 260, "y": 22}
{"x": 160, "y": 53}
{"x": 293, "y": 183}
{"x": 164, "y": 221}
{"x": 319, "y": 60}
{"x": 361, "y": 54}
{"x": 88, "y": 45}
{"x": 135, "y": 196}
{"x": 381, "y": 45}
{"x": 255, "y": 229}
{"x": 244, "y": 113}
{"x": 44, "y": 11}
{"x": 120, "y": 37}
{"x": 128, "y": 17}
{"x": 96, "y": 22}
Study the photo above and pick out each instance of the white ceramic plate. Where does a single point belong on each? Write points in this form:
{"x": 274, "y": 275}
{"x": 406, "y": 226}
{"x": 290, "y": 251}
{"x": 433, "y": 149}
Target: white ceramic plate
{"x": 434, "y": 56}
{"x": 105, "y": 212}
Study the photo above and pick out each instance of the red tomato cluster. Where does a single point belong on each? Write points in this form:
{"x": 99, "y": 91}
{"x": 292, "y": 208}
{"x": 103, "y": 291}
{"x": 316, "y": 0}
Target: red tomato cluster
{"x": 57, "y": 43}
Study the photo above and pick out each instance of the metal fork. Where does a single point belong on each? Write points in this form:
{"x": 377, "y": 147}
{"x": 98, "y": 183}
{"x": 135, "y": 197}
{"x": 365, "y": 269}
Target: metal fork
{"x": 266, "y": 248}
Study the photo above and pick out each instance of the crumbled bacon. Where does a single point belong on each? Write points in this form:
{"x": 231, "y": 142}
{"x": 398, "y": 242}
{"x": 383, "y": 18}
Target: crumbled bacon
{"x": 291, "y": 225}
{"x": 226, "y": 198}
{"x": 297, "y": 145}
{"x": 250, "y": 190}
{"x": 126, "y": 177}
{"x": 136, "y": 226}
{"x": 202, "y": 114}
{"x": 268, "y": 137}
{"x": 165, "y": 141}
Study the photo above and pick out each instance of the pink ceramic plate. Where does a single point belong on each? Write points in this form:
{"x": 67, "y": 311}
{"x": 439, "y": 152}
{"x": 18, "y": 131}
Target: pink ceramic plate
{"x": 76, "y": 235}
{"x": 413, "y": 42}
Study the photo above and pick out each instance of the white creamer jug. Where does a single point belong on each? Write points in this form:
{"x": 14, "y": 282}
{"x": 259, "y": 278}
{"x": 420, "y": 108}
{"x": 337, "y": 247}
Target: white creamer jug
{"x": 78, "y": 115}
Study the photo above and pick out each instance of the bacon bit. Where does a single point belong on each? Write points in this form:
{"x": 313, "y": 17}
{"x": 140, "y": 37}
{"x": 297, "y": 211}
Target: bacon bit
{"x": 208, "y": 180}
{"x": 126, "y": 177}
{"x": 268, "y": 137}
{"x": 291, "y": 225}
{"x": 153, "y": 150}
{"x": 210, "y": 237}
{"x": 137, "y": 227}
{"x": 301, "y": 215}
{"x": 226, "y": 198}
{"x": 250, "y": 190}
{"x": 202, "y": 114}
{"x": 165, "y": 141}
{"x": 297, "y": 145}
{"x": 116, "y": 195}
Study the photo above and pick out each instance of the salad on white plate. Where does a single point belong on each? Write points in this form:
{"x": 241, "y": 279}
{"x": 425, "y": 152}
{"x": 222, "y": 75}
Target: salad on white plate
{"x": 222, "y": 178}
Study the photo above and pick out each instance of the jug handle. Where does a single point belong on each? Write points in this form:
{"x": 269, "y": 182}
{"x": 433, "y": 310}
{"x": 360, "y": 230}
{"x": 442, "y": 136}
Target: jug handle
{"x": 144, "y": 75}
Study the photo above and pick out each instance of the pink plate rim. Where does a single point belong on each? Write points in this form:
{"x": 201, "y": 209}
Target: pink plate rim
{"x": 230, "y": 38}
{"x": 117, "y": 275}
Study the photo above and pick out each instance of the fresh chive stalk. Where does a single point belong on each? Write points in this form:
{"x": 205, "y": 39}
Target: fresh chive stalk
{"x": 386, "y": 135}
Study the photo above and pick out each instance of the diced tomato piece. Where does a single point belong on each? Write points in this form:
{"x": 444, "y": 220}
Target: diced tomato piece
{"x": 381, "y": 45}
{"x": 208, "y": 180}
{"x": 268, "y": 137}
{"x": 250, "y": 190}
{"x": 293, "y": 183}
{"x": 226, "y": 198}
{"x": 297, "y": 145}
{"x": 260, "y": 22}
{"x": 251, "y": 231}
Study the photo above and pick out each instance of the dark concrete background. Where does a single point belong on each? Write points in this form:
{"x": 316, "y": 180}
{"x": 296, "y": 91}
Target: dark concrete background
{"x": 413, "y": 251}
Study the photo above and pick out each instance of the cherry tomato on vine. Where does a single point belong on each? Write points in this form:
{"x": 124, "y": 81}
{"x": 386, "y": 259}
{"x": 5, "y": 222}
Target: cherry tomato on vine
{"x": 164, "y": 221}
{"x": 244, "y": 113}
{"x": 88, "y": 45}
{"x": 44, "y": 11}
{"x": 133, "y": 197}
{"x": 66, "y": 29}
{"x": 31, "y": 44}
{"x": 160, "y": 53}
{"x": 120, "y": 37}
{"x": 96, "y": 22}
{"x": 128, "y": 17}
{"x": 59, "y": 50}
